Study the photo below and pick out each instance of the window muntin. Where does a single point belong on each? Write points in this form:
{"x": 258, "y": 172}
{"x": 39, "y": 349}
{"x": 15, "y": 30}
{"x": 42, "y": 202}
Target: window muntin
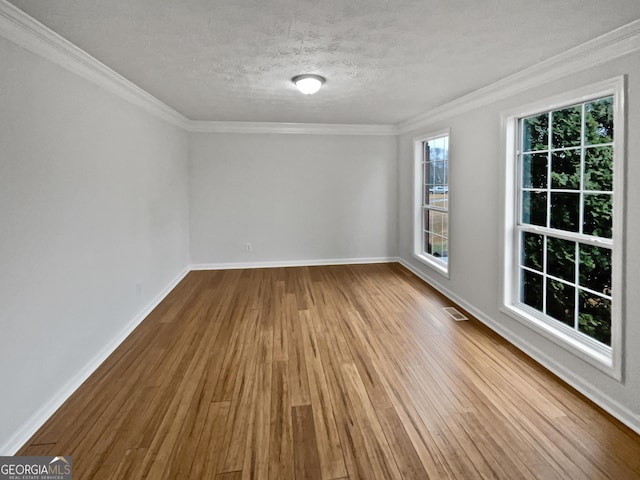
{"x": 431, "y": 243}
{"x": 564, "y": 229}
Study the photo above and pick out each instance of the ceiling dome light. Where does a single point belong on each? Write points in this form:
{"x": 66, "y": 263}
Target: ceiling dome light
{"x": 308, "y": 84}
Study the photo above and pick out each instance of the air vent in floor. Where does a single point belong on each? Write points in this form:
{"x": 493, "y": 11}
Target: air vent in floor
{"x": 455, "y": 314}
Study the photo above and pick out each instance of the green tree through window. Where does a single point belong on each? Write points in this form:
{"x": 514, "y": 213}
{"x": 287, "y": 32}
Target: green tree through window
{"x": 566, "y": 209}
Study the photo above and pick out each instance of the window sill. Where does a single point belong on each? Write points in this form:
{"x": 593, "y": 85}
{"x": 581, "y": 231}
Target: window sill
{"x": 597, "y": 355}
{"x": 440, "y": 267}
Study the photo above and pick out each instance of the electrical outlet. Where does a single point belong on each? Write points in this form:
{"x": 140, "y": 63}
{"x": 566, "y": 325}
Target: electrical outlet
{"x": 138, "y": 288}
{"x": 248, "y": 247}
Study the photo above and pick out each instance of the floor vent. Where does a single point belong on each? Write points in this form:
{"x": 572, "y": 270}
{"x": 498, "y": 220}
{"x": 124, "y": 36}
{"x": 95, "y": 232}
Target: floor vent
{"x": 455, "y": 314}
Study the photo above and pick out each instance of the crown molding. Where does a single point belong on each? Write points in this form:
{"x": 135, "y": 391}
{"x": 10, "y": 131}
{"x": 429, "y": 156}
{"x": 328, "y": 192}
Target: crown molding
{"x": 617, "y": 43}
{"x": 23, "y": 30}
{"x": 26, "y": 32}
{"x": 294, "y": 128}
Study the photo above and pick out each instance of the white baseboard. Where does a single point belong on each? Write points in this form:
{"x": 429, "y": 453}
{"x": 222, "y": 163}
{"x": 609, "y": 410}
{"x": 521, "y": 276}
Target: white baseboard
{"x": 19, "y": 438}
{"x": 622, "y": 413}
{"x": 293, "y": 263}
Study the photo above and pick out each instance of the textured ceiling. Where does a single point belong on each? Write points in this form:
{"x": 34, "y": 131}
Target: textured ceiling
{"x": 385, "y": 60}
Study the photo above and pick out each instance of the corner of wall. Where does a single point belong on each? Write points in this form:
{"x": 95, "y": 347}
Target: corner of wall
{"x": 31, "y": 426}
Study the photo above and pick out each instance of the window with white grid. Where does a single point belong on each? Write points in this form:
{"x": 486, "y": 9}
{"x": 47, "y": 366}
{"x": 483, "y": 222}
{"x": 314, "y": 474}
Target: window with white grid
{"x": 431, "y": 225}
{"x": 564, "y": 234}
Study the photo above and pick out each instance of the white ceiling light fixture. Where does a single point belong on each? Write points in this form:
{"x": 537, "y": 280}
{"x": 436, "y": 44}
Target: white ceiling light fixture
{"x": 308, "y": 84}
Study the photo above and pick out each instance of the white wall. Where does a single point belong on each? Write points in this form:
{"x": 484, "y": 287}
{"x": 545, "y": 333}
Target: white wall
{"x": 93, "y": 198}
{"x": 476, "y": 182}
{"x": 293, "y": 197}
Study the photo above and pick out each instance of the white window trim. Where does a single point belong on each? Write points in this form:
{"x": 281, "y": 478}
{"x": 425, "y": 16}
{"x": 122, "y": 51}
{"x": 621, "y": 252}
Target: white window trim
{"x": 418, "y": 237}
{"x": 607, "y": 359}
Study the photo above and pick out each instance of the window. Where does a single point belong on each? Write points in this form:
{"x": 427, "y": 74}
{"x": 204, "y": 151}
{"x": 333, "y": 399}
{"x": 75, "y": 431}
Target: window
{"x": 431, "y": 222}
{"x": 562, "y": 268}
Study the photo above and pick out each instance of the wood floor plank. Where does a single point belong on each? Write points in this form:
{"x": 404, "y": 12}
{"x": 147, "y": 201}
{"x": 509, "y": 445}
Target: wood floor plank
{"x": 423, "y": 438}
{"x": 350, "y": 436}
{"x": 229, "y": 476}
{"x": 256, "y": 456}
{"x": 242, "y": 403}
{"x": 164, "y": 453}
{"x": 281, "y": 325}
{"x": 363, "y": 353}
{"x": 383, "y": 463}
{"x": 330, "y": 450}
{"x": 44, "y": 449}
{"x": 281, "y": 443}
{"x": 305, "y": 447}
{"x": 209, "y": 455}
{"x": 408, "y": 462}
{"x": 333, "y": 372}
{"x": 298, "y": 379}
{"x": 235, "y": 348}
{"x": 127, "y": 466}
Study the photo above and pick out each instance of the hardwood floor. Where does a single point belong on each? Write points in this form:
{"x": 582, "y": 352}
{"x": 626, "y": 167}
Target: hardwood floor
{"x": 327, "y": 373}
